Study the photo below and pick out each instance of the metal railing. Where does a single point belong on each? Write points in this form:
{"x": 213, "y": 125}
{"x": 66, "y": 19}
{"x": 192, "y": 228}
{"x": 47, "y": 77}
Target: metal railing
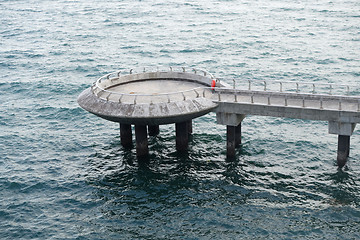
{"x": 153, "y": 98}
{"x": 100, "y": 87}
{"x": 297, "y": 87}
{"x": 277, "y": 98}
{"x": 118, "y": 74}
{"x": 272, "y": 90}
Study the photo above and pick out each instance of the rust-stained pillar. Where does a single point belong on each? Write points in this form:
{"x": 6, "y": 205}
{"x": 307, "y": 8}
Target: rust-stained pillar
{"x": 126, "y": 135}
{"x": 142, "y": 149}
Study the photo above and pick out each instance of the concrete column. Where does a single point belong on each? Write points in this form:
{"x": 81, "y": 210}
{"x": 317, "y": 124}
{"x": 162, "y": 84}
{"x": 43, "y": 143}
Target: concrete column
{"x": 190, "y": 127}
{"x": 343, "y": 150}
{"x": 182, "y": 136}
{"x": 126, "y": 135}
{"x": 154, "y": 130}
{"x": 238, "y": 135}
{"x": 142, "y": 149}
{"x": 230, "y": 141}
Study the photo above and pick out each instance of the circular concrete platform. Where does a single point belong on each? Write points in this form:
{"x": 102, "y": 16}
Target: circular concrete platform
{"x": 150, "y": 98}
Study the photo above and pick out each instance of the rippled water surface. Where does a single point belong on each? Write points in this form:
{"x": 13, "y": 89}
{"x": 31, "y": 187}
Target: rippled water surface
{"x": 64, "y": 175}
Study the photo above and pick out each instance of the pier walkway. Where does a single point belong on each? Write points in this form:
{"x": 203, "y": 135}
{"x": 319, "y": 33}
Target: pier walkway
{"x": 149, "y": 98}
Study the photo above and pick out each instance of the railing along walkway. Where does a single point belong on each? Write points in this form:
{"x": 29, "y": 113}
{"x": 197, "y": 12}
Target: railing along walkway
{"x": 314, "y": 101}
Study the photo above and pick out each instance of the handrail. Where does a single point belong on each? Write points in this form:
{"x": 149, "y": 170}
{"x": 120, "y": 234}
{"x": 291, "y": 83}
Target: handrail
{"x": 293, "y": 86}
{"x": 296, "y": 91}
{"x": 117, "y": 74}
{"x": 303, "y": 97}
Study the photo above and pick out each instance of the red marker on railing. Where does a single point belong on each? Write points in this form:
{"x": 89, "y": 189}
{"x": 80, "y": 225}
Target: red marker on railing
{"x": 213, "y": 84}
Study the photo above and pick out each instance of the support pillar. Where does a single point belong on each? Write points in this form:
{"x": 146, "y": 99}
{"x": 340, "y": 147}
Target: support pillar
{"x": 343, "y": 150}
{"x": 230, "y": 141}
{"x": 154, "y": 130}
{"x": 126, "y": 135}
{"x": 142, "y": 149}
{"x": 182, "y": 136}
{"x": 344, "y": 130}
{"x": 238, "y": 135}
{"x": 190, "y": 127}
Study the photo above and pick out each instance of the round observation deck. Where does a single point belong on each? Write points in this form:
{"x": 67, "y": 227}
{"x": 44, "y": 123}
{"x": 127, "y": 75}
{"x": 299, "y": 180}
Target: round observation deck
{"x": 150, "y": 97}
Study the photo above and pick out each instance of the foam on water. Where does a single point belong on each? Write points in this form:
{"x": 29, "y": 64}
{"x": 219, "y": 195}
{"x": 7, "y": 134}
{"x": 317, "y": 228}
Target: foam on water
{"x": 64, "y": 175}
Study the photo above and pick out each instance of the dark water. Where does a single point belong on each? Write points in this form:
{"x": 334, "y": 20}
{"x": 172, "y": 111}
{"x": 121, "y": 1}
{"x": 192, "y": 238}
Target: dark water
{"x": 64, "y": 175}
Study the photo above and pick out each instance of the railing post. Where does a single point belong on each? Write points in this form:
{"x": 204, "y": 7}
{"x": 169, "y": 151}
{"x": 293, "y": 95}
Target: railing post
{"x": 321, "y": 103}
{"x": 340, "y": 104}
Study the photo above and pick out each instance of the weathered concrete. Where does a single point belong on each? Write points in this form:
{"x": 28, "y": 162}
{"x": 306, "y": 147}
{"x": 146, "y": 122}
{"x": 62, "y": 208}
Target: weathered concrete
{"x": 126, "y": 135}
{"x": 343, "y": 150}
{"x": 340, "y": 128}
{"x": 230, "y": 119}
{"x": 146, "y": 113}
{"x": 142, "y": 149}
{"x": 182, "y": 136}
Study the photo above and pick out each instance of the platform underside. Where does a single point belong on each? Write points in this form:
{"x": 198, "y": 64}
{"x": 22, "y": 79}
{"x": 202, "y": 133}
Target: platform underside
{"x": 146, "y": 113}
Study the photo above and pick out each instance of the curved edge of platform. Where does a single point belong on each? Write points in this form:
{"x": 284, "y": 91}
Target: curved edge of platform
{"x": 145, "y": 113}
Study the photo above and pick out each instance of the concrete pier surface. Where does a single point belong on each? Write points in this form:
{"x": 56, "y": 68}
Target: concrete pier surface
{"x": 151, "y": 98}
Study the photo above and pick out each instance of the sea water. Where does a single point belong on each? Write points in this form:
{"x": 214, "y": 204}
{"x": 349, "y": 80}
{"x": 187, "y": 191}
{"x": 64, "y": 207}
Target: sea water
{"x": 64, "y": 174}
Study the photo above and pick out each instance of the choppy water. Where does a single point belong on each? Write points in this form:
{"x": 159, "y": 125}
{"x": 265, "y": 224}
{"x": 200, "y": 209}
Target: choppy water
{"x": 64, "y": 175}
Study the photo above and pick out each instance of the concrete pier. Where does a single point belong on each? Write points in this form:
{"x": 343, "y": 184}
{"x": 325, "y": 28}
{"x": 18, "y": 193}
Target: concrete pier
{"x": 233, "y": 139}
{"x": 343, "y": 150}
{"x": 154, "y": 130}
{"x": 142, "y": 149}
{"x": 182, "y": 136}
{"x": 148, "y": 99}
{"x": 238, "y": 135}
{"x": 126, "y": 135}
{"x": 230, "y": 141}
